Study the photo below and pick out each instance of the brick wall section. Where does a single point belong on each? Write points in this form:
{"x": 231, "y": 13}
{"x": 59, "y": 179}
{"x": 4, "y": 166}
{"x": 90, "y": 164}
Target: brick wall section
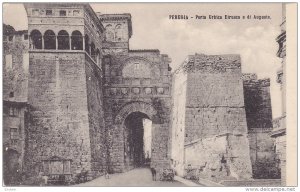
{"x": 59, "y": 123}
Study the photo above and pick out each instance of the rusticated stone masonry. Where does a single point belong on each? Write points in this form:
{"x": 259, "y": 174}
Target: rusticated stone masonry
{"x": 214, "y": 111}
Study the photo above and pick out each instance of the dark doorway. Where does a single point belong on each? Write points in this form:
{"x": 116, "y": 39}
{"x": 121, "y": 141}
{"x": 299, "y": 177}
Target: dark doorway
{"x": 11, "y": 167}
{"x": 137, "y": 145}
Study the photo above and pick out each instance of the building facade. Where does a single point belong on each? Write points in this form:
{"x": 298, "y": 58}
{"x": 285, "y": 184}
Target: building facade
{"x": 279, "y": 131}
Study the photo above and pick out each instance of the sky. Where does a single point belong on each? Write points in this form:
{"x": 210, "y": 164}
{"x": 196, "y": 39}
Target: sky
{"x": 253, "y": 39}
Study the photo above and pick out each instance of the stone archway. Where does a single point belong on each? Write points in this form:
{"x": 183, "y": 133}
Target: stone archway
{"x": 119, "y": 137}
{"x": 142, "y": 107}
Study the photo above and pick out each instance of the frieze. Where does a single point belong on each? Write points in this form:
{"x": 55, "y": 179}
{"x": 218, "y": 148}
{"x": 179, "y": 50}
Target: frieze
{"x": 127, "y": 91}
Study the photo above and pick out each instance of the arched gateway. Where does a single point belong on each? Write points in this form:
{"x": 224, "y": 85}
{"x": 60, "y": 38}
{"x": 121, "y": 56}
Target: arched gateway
{"x": 137, "y": 90}
{"x": 131, "y": 136}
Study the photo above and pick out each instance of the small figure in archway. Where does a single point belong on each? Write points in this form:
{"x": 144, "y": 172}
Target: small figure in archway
{"x": 106, "y": 174}
{"x": 153, "y": 171}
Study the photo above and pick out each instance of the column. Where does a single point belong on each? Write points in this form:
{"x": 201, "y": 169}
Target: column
{"x": 43, "y": 42}
{"x": 70, "y": 43}
{"x": 83, "y": 43}
{"x": 56, "y": 43}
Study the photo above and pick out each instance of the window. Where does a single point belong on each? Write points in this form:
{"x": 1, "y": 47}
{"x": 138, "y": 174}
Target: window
{"x": 62, "y": 13}
{"x": 25, "y": 36}
{"x": 35, "y": 12}
{"x": 76, "y": 13}
{"x": 13, "y": 111}
{"x": 136, "y": 66}
{"x": 93, "y": 51}
{"x": 109, "y": 35}
{"x": 98, "y": 56}
{"x": 118, "y": 32}
{"x": 10, "y": 38}
{"x": 14, "y": 135}
{"x": 8, "y": 61}
{"x": 86, "y": 42}
{"x": 48, "y": 12}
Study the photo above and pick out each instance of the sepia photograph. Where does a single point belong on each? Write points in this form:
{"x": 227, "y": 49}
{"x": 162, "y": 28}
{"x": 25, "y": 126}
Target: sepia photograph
{"x": 148, "y": 95}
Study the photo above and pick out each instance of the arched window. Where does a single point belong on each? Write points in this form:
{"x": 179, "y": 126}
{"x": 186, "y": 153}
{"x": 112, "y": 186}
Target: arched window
{"x": 86, "y": 43}
{"x": 63, "y": 40}
{"x": 36, "y": 39}
{"x": 49, "y": 40}
{"x": 98, "y": 56}
{"x": 109, "y": 35}
{"x": 93, "y": 51}
{"x": 118, "y": 33}
{"x": 76, "y": 41}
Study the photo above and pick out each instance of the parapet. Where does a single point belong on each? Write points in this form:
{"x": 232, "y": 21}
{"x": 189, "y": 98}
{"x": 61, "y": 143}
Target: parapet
{"x": 250, "y": 80}
{"x": 210, "y": 63}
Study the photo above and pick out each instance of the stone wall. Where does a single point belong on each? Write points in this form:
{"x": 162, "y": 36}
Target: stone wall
{"x": 14, "y": 126}
{"x": 96, "y": 115}
{"x": 178, "y": 121}
{"x": 15, "y": 66}
{"x": 219, "y": 157}
{"x": 262, "y": 154}
{"x": 215, "y": 103}
{"x": 259, "y": 122}
{"x": 257, "y": 101}
{"x": 59, "y": 119}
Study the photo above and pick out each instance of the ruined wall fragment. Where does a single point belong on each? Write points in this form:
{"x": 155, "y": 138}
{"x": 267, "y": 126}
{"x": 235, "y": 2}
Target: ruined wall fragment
{"x": 214, "y": 108}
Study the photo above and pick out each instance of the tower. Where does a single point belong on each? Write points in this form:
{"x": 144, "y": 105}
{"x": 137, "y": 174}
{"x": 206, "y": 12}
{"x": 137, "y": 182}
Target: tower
{"x": 118, "y": 31}
{"x": 66, "y": 130}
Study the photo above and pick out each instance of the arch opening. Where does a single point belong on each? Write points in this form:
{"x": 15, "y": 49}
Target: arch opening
{"x": 137, "y": 140}
{"x": 63, "y": 40}
{"x": 98, "y": 57}
{"x": 76, "y": 40}
{"x": 36, "y": 39}
{"x": 49, "y": 40}
{"x": 109, "y": 35}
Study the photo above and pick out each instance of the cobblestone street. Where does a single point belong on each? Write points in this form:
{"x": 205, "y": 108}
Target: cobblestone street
{"x": 137, "y": 177}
